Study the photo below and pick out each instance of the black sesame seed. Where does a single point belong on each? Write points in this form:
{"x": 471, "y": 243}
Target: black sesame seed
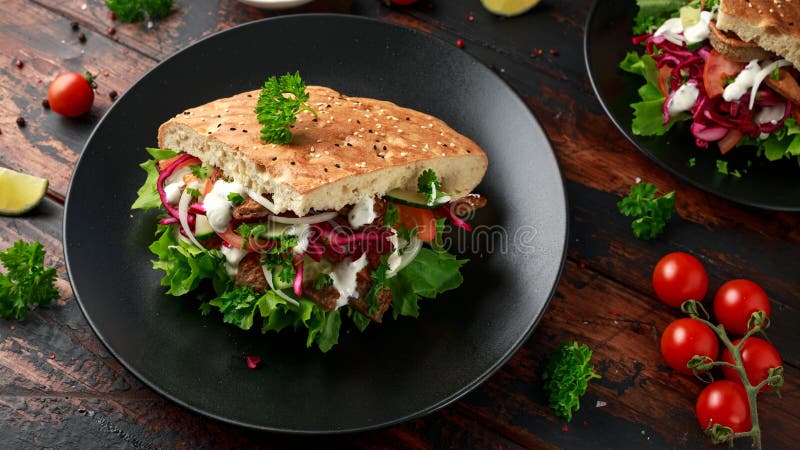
{"x": 21, "y": 122}
{"x": 244, "y": 131}
{"x": 274, "y": 158}
{"x": 209, "y": 132}
{"x": 408, "y": 118}
{"x": 314, "y": 120}
{"x": 249, "y": 95}
{"x": 291, "y": 126}
{"x": 469, "y": 151}
{"x": 219, "y": 116}
{"x": 325, "y": 169}
{"x": 358, "y": 121}
{"x": 370, "y": 131}
{"x": 186, "y": 113}
{"x": 338, "y": 166}
{"x": 219, "y": 125}
{"x": 292, "y": 163}
{"x": 336, "y": 145}
{"x": 374, "y": 146}
{"x": 349, "y": 144}
{"x": 46, "y": 104}
{"x": 384, "y": 147}
{"x": 233, "y": 129}
{"x": 444, "y": 145}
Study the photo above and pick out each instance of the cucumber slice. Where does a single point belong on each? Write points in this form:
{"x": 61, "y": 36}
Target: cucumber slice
{"x": 409, "y": 198}
{"x": 202, "y": 229}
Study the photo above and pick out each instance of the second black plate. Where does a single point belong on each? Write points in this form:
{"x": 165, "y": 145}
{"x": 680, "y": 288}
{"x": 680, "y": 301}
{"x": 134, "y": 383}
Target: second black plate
{"x": 607, "y": 40}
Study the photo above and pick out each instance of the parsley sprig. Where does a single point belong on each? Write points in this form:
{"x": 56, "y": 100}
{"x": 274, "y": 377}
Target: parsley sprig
{"x": 651, "y": 213}
{"x": 27, "y": 282}
{"x": 279, "y": 103}
{"x": 429, "y": 185}
{"x": 133, "y": 10}
{"x": 566, "y": 376}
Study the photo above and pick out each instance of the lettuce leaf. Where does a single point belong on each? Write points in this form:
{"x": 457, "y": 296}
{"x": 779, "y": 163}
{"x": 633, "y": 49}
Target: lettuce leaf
{"x": 429, "y": 274}
{"x": 648, "y": 116}
{"x": 652, "y": 13}
{"x": 148, "y": 197}
{"x": 185, "y": 265}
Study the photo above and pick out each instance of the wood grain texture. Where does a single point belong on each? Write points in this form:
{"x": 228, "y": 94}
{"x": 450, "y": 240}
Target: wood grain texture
{"x": 59, "y": 387}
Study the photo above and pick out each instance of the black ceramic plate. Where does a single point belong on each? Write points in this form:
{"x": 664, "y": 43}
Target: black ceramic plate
{"x": 393, "y": 372}
{"x": 607, "y": 40}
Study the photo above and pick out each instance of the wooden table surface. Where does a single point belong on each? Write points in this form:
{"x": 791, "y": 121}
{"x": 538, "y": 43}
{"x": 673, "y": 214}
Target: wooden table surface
{"x": 60, "y": 388}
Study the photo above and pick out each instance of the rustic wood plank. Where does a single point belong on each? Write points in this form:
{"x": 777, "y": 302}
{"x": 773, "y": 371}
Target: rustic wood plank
{"x": 647, "y": 403}
{"x": 189, "y": 21}
{"x": 49, "y": 145}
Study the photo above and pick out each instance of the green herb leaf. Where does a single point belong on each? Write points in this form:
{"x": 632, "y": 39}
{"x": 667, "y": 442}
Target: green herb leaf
{"x": 391, "y": 216}
{"x": 566, "y": 376}
{"x": 133, "y": 10}
{"x": 27, "y": 283}
{"x": 236, "y": 199}
{"x": 199, "y": 171}
{"x": 279, "y": 103}
{"x": 651, "y": 214}
{"x": 322, "y": 281}
{"x": 428, "y": 183}
{"x": 193, "y": 192}
{"x": 692, "y": 161}
{"x": 160, "y": 154}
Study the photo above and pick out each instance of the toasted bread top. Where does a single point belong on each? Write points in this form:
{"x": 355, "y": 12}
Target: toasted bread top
{"x": 354, "y": 147}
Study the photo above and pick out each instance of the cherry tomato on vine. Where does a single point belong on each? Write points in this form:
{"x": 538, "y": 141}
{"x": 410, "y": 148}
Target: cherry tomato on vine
{"x": 685, "y": 338}
{"x": 70, "y": 94}
{"x": 679, "y": 277}
{"x": 758, "y": 356}
{"x": 724, "y": 402}
{"x": 736, "y": 301}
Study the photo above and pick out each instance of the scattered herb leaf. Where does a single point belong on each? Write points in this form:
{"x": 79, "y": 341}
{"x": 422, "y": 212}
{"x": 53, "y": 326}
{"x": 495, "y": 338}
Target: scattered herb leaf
{"x": 27, "y": 282}
{"x": 651, "y": 214}
{"x": 566, "y": 376}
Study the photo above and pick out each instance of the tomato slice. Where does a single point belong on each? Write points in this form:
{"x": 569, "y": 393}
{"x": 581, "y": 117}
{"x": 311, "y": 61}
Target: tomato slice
{"x": 716, "y": 72}
{"x": 729, "y": 141}
{"x": 664, "y": 75}
{"x": 421, "y": 219}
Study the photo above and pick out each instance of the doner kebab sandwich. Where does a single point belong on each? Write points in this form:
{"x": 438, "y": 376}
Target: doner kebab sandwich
{"x": 296, "y": 206}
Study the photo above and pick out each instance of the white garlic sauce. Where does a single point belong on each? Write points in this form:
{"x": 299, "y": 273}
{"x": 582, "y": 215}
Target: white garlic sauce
{"x": 218, "y": 207}
{"x": 233, "y": 256}
{"x": 362, "y": 213}
{"x": 344, "y": 279}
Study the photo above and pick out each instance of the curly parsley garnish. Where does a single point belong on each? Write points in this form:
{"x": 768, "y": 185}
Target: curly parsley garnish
{"x": 429, "y": 185}
{"x": 279, "y": 103}
{"x": 651, "y": 213}
{"x": 133, "y": 10}
{"x": 27, "y": 282}
{"x": 566, "y": 376}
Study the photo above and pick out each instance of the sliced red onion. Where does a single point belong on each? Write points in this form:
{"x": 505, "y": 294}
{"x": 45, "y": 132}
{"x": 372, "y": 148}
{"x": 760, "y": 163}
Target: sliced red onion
{"x": 262, "y": 201}
{"x": 705, "y": 133}
{"x": 183, "y": 217}
{"x": 457, "y": 221}
{"x": 305, "y": 220}
{"x": 281, "y": 294}
{"x": 164, "y": 174}
{"x": 197, "y": 208}
{"x": 168, "y": 221}
{"x": 297, "y": 284}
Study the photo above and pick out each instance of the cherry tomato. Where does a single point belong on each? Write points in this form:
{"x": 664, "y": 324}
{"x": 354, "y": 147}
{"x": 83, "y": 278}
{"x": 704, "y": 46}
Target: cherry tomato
{"x": 679, "y": 277}
{"x": 685, "y": 338}
{"x": 758, "y": 356}
{"x": 736, "y": 301}
{"x": 716, "y": 72}
{"x": 421, "y": 219}
{"x": 724, "y": 402}
{"x": 70, "y": 94}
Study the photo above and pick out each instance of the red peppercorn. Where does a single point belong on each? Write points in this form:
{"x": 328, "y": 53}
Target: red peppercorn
{"x": 112, "y": 16}
{"x": 460, "y": 43}
{"x": 554, "y": 52}
{"x": 19, "y": 64}
{"x": 111, "y": 31}
{"x": 470, "y": 17}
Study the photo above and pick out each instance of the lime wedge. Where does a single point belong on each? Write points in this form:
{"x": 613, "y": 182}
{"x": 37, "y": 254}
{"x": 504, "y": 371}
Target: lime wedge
{"x": 509, "y": 8}
{"x": 19, "y": 192}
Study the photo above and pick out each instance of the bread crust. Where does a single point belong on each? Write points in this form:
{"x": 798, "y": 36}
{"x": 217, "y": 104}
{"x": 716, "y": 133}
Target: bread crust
{"x": 772, "y": 24}
{"x": 355, "y": 147}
